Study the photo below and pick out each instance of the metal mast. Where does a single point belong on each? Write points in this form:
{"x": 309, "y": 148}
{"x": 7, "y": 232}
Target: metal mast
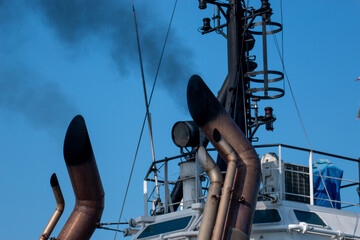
{"x": 236, "y": 94}
{"x": 235, "y": 97}
{"x": 240, "y": 99}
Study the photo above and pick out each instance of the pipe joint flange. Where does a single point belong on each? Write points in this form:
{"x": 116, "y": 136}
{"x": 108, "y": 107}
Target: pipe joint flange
{"x": 216, "y": 196}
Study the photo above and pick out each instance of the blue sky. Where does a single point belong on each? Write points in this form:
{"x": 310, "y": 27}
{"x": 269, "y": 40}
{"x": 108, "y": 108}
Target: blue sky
{"x": 59, "y": 60}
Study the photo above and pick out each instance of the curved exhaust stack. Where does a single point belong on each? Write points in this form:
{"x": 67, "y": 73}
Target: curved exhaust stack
{"x": 232, "y": 160}
{"x": 86, "y": 182}
{"x": 60, "y": 205}
{"x": 208, "y": 113}
{"x": 212, "y": 200}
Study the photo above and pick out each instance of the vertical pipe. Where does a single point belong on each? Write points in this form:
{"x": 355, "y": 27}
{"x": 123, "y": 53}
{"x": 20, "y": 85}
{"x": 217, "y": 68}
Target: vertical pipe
{"x": 196, "y": 179}
{"x": 232, "y": 161}
{"x": 212, "y": 200}
{"x": 187, "y": 175}
{"x": 60, "y": 205}
{"x": 311, "y": 178}
{"x": 235, "y": 97}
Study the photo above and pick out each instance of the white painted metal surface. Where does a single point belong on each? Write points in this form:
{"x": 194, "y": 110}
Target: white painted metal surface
{"x": 339, "y": 223}
{"x": 188, "y": 171}
{"x": 311, "y": 178}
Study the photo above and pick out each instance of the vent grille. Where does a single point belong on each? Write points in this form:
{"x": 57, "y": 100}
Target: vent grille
{"x": 297, "y": 183}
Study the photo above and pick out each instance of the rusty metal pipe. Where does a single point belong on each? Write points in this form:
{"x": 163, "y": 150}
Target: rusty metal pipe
{"x": 86, "y": 182}
{"x": 212, "y": 200}
{"x": 60, "y": 205}
{"x": 222, "y": 94}
{"x": 208, "y": 113}
{"x": 232, "y": 161}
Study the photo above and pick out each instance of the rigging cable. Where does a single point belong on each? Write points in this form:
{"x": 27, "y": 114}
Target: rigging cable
{"x": 291, "y": 91}
{"x": 281, "y": 55}
{"x": 143, "y": 125}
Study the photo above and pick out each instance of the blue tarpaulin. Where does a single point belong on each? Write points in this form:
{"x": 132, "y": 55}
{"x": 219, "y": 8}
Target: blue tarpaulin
{"x": 332, "y": 185}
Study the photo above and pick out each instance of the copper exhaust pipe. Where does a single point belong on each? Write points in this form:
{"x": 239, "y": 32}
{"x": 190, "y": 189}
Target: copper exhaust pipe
{"x": 60, "y": 205}
{"x": 208, "y": 113}
{"x": 212, "y": 200}
{"x": 232, "y": 163}
{"x": 86, "y": 182}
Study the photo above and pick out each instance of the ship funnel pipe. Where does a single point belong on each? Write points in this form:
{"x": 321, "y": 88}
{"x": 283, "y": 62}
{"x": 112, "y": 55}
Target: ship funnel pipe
{"x": 60, "y": 205}
{"x": 86, "y": 182}
{"x": 212, "y": 200}
{"x": 208, "y": 113}
{"x": 232, "y": 162}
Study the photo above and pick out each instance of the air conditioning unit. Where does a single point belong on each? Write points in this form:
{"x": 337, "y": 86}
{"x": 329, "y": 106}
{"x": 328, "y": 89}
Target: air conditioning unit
{"x": 294, "y": 180}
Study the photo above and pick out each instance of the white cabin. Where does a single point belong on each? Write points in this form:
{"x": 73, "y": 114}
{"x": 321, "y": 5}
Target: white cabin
{"x": 276, "y": 217}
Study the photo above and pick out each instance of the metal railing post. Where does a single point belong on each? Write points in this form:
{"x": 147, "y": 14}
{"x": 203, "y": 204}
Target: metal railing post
{"x": 358, "y": 188}
{"x": 282, "y": 179}
{"x": 196, "y": 178}
{"x": 145, "y": 198}
{"x": 311, "y": 178}
{"x": 166, "y": 185}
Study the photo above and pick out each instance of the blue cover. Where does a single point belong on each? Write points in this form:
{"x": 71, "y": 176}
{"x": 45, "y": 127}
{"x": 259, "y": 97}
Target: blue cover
{"x": 332, "y": 185}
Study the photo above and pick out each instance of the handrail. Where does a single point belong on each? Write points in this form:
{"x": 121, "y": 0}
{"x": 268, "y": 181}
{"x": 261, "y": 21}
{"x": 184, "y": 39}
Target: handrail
{"x": 307, "y": 150}
{"x": 255, "y": 146}
{"x": 151, "y": 168}
{"x": 350, "y": 182}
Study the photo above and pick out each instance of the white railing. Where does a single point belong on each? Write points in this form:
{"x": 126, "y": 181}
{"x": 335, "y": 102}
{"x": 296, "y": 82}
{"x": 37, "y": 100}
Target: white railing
{"x": 345, "y": 182}
{"x": 166, "y": 205}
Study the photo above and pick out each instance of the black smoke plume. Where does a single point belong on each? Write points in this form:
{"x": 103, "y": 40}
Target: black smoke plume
{"x": 73, "y": 22}
{"x": 24, "y": 91}
{"x": 112, "y": 21}
{"x": 40, "y": 102}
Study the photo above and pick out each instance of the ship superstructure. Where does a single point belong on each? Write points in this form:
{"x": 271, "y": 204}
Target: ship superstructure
{"x": 236, "y": 193}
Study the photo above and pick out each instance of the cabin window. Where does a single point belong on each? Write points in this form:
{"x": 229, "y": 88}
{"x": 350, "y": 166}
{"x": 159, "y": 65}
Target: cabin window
{"x": 309, "y": 217}
{"x": 165, "y": 227}
{"x": 266, "y": 216}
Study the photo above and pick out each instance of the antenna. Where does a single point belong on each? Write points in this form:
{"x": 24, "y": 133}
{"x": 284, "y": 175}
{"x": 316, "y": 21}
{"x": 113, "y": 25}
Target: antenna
{"x": 147, "y": 110}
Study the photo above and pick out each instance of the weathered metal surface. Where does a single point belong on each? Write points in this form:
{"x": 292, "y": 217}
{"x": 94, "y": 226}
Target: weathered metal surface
{"x": 208, "y": 113}
{"x": 86, "y": 182}
{"x": 232, "y": 160}
{"x": 60, "y": 205}
{"x": 213, "y": 197}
